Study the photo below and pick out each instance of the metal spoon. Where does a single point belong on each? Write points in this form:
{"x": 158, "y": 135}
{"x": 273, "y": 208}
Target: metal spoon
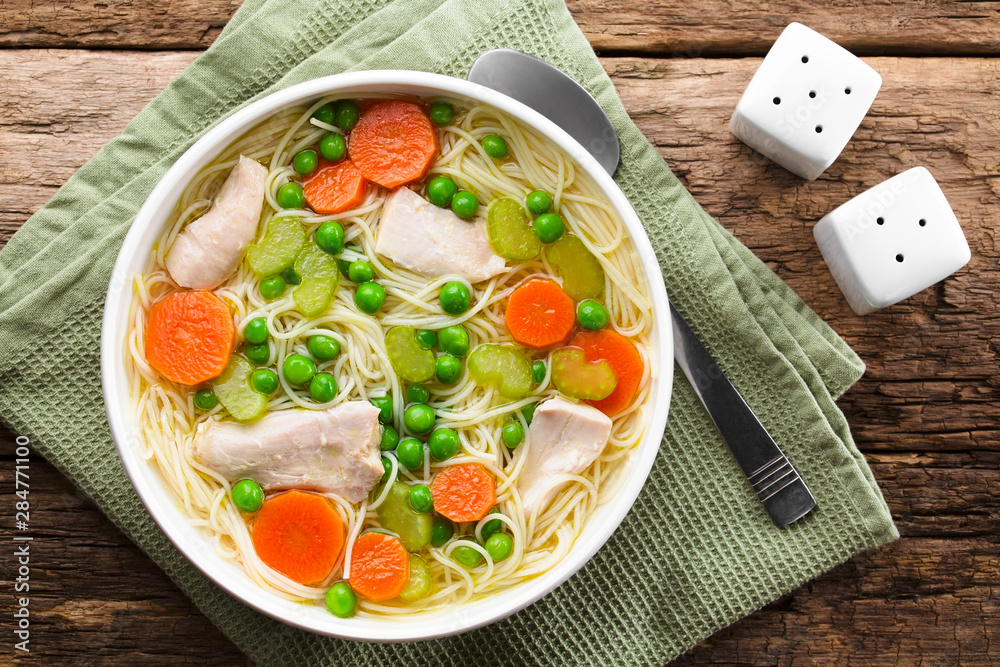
{"x": 562, "y": 100}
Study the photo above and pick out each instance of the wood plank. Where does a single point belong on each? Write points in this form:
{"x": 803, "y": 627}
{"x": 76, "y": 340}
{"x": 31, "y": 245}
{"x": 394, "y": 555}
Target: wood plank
{"x": 872, "y": 610}
{"x": 672, "y": 28}
{"x": 142, "y": 24}
{"x": 941, "y": 495}
{"x": 695, "y": 30}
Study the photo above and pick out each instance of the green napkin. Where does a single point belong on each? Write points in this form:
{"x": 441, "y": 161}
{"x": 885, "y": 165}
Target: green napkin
{"x": 696, "y": 552}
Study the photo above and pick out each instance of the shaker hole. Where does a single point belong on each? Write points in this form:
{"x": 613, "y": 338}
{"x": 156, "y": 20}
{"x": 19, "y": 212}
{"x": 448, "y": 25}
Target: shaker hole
{"x": 899, "y": 258}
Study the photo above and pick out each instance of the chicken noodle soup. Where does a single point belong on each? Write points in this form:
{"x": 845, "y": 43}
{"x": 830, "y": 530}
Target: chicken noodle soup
{"x": 391, "y": 353}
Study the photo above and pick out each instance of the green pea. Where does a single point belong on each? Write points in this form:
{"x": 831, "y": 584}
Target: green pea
{"x": 410, "y": 453}
{"x": 442, "y": 530}
{"x": 418, "y": 418}
{"x": 390, "y": 438}
{"x": 455, "y": 299}
{"x": 538, "y": 202}
{"x": 440, "y": 191}
{"x": 323, "y": 348}
{"x": 323, "y": 387}
{"x": 454, "y": 340}
{"x": 205, "y": 399}
{"x": 427, "y": 339}
{"x": 538, "y": 371}
{"x": 256, "y": 331}
{"x": 529, "y": 412}
{"x": 420, "y": 498}
{"x": 330, "y": 237}
{"x": 298, "y": 369}
{"x": 443, "y": 444}
{"x": 499, "y": 546}
{"x": 384, "y": 405}
{"x": 442, "y": 113}
{"x": 512, "y": 434}
{"x": 369, "y": 297}
{"x": 341, "y": 600}
{"x": 272, "y": 288}
{"x": 247, "y": 495}
{"x": 493, "y": 526}
{"x": 592, "y": 315}
{"x": 265, "y": 381}
{"x": 290, "y": 196}
{"x": 361, "y": 271}
{"x": 467, "y": 556}
{"x": 305, "y": 162}
{"x": 549, "y": 227}
{"x": 347, "y": 115}
{"x": 291, "y": 277}
{"x": 495, "y": 146}
{"x": 417, "y": 393}
{"x": 326, "y": 114}
{"x": 259, "y": 354}
{"x": 449, "y": 369}
{"x": 333, "y": 147}
{"x": 386, "y": 469}
{"x": 464, "y": 204}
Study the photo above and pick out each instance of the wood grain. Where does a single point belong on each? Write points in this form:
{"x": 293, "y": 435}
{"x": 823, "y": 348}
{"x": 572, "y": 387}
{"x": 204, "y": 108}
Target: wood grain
{"x": 95, "y": 598}
{"x": 682, "y": 29}
{"x": 926, "y": 413}
{"x": 673, "y": 28}
{"x": 144, "y": 24}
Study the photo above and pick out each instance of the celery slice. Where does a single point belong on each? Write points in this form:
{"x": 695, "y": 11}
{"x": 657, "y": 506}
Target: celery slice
{"x": 276, "y": 252}
{"x": 505, "y": 368}
{"x": 236, "y": 393}
{"x": 510, "y": 235}
{"x": 581, "y": 273}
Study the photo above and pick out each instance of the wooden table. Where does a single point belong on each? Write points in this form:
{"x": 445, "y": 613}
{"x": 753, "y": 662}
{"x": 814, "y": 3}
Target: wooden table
{"x": 925, "y": 414}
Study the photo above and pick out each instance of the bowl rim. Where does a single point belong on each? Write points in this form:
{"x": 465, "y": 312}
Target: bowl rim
{"x": 170, "y": 518}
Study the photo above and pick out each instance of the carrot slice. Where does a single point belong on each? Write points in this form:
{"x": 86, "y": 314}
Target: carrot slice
{"x": 539, "y": 314}
{"x": 300, "y": 535}
{"x": 335, "y": 187}
{"x": 393, "y": 143}
{"x": 624, "y": 359}
{"x": 189, "y": 338}
{"x": 380, "y": 566}
{"x": 464, "y": 492}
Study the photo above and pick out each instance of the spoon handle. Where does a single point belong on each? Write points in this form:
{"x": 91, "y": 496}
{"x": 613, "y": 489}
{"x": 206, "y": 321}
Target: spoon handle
{"x": 771, "y": 476}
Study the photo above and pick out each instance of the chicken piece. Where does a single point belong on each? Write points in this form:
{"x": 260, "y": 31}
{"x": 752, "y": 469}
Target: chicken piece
{"x": 210, "y": 249}
{"x": 433, "y": 241}
{"x": 564, "y": 439}
{"x": 333, "y": 451}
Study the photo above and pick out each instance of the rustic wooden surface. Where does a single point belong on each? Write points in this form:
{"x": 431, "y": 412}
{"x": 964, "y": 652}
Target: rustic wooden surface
{"x": 926, "y": 413}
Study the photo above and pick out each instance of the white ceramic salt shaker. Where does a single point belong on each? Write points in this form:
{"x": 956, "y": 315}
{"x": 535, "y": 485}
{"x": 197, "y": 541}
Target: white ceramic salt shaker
{"x": 805, "y": 101}
{"x": 892, "y": 241}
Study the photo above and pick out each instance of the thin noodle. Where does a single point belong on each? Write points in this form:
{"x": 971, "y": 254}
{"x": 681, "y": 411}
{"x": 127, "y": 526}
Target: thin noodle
{"x": 165, "y": 414}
